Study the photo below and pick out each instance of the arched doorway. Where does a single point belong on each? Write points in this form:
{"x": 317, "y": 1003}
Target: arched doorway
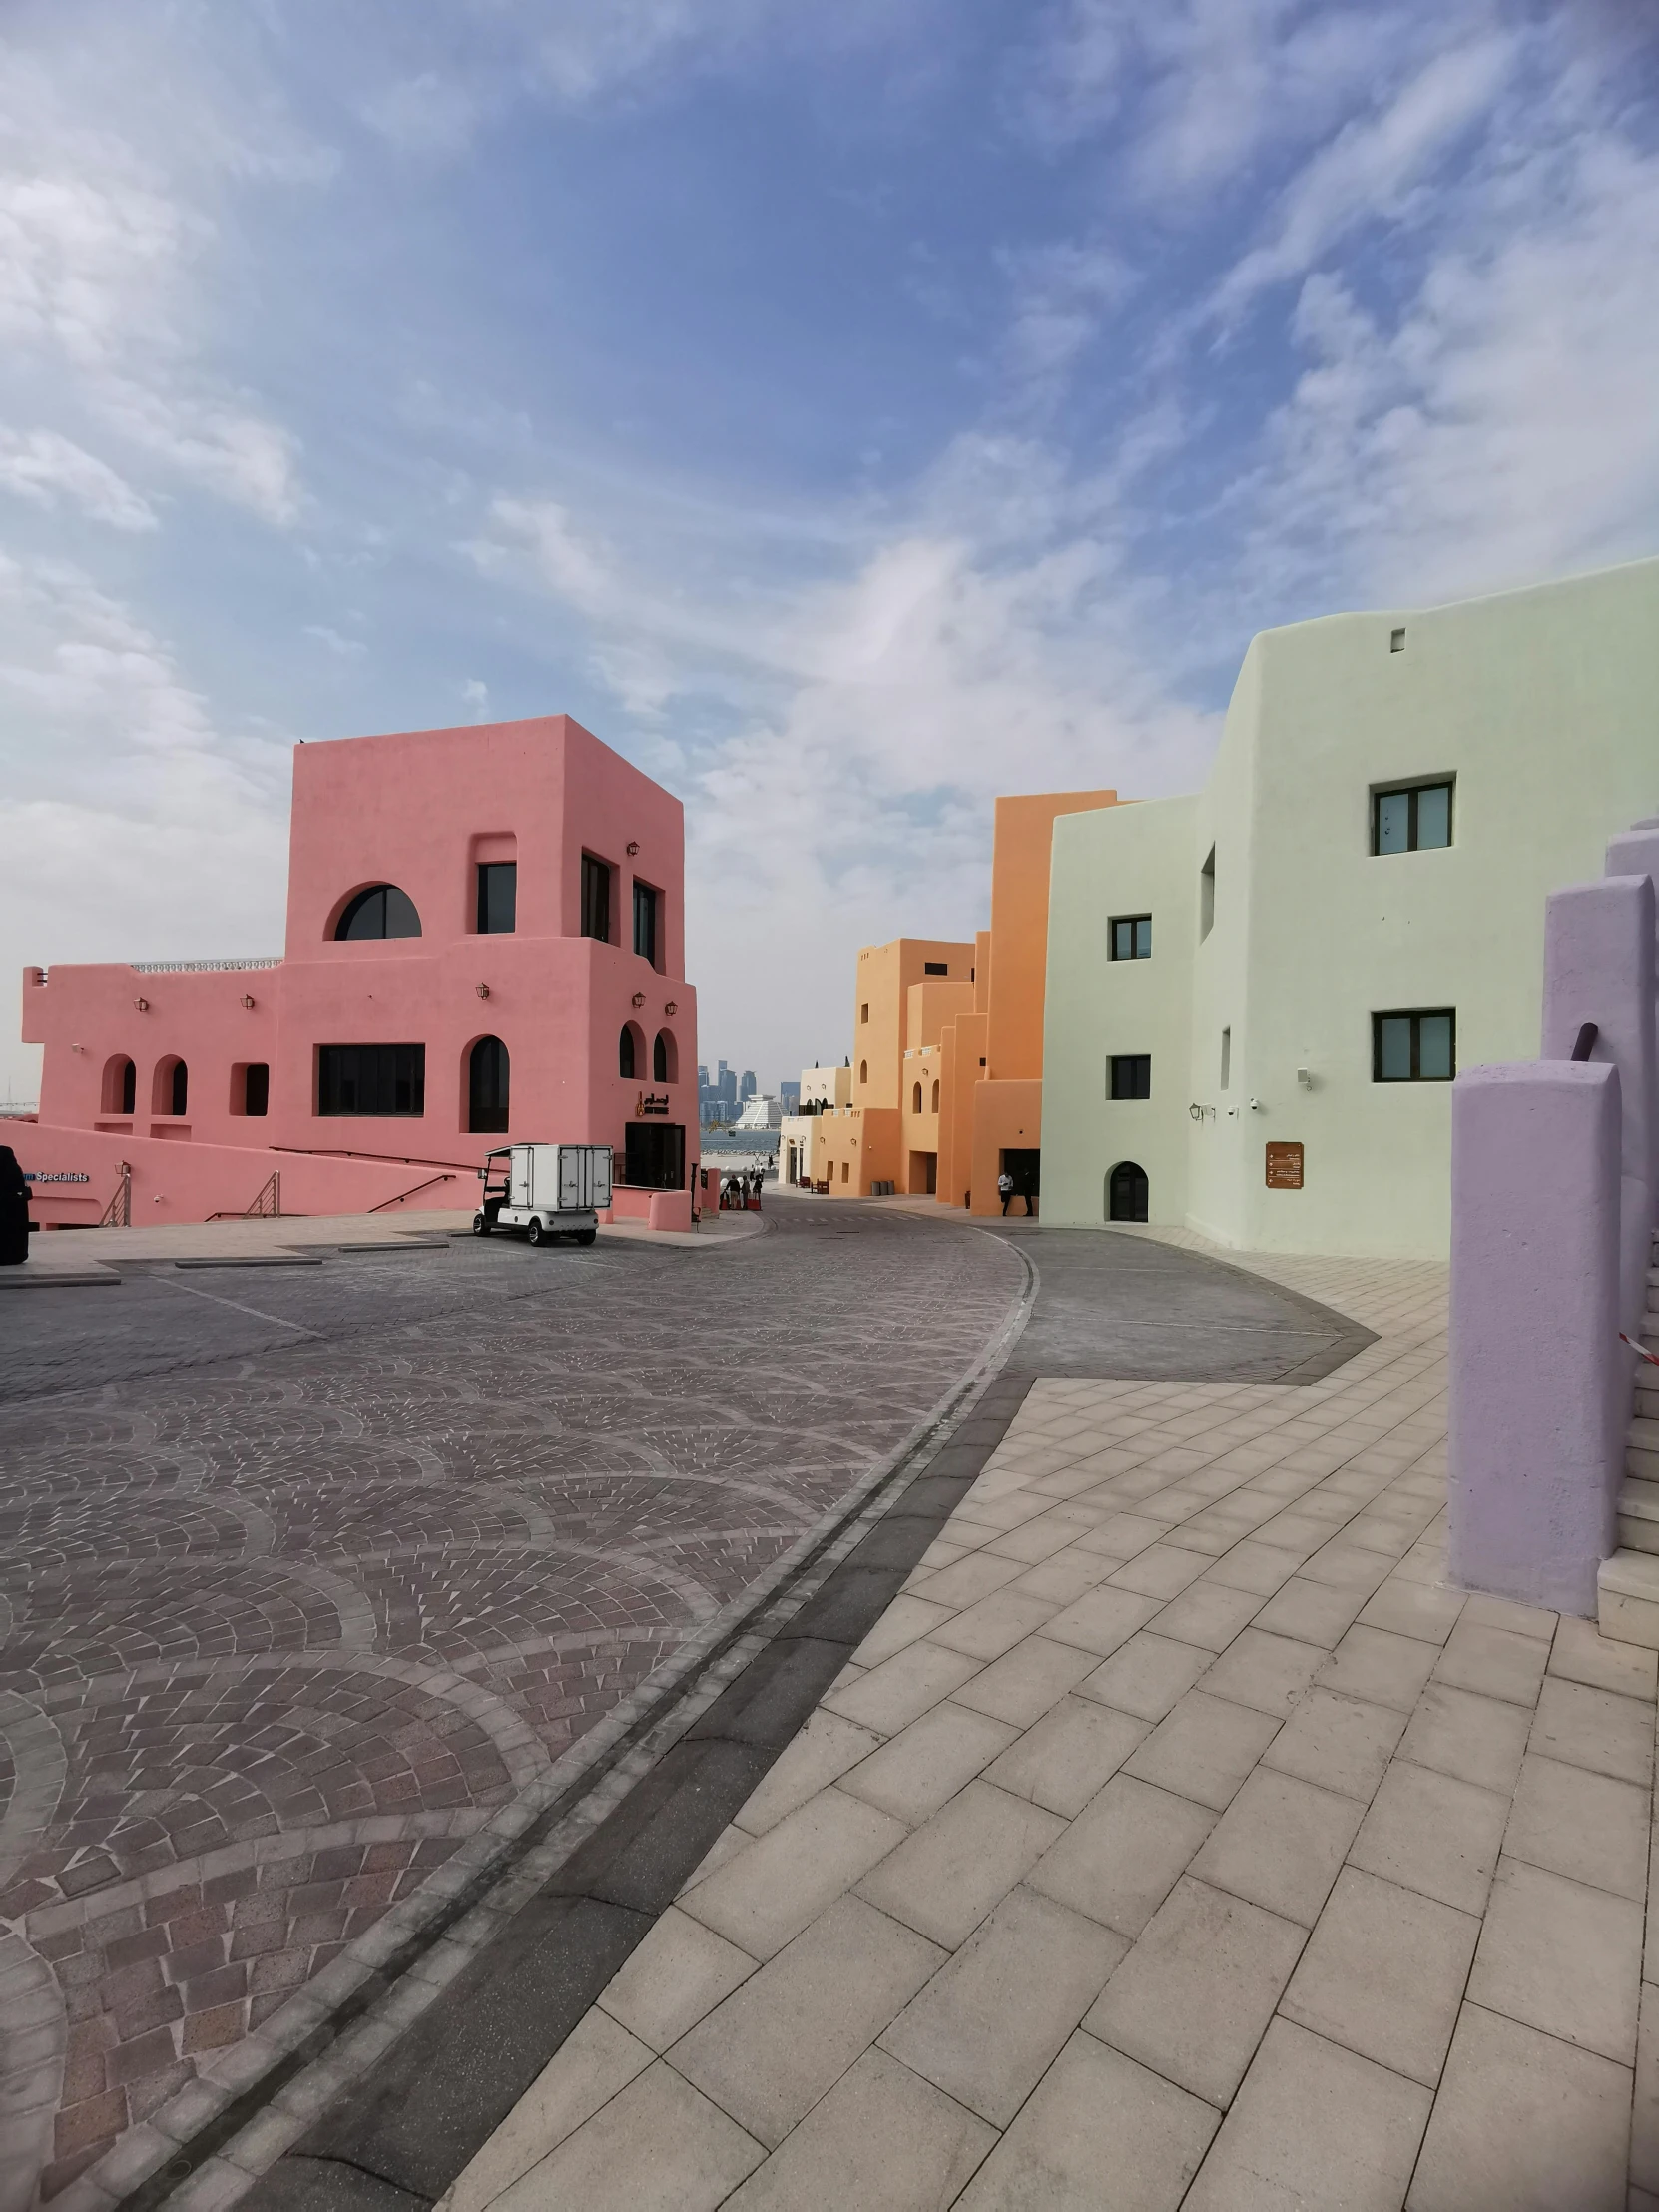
{"x": 665, "y": 1058}
{"x": 488, "y": 1073}
{"x": 1126, "y": 1191}
{"x": 628, "y": 1052}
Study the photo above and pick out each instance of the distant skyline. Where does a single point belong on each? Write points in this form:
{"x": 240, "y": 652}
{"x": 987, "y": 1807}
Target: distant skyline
{"x": 848, "y": 408}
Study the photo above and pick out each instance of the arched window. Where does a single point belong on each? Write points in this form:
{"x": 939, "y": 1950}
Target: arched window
{"x": 169, "y": 1092}
{"x": 487, "y": 1081}
{"x": 1126, "y": 1191}
{"x": 665, "y": 1058}
{"x": 915, "y": 1099}
{"x": 626, "y": 1064}
{"x": 864, "y": 1071}
{"x": 935, "y": 1094}
{"x": 381, "y": 911}
{"x": 120, "y": 1094}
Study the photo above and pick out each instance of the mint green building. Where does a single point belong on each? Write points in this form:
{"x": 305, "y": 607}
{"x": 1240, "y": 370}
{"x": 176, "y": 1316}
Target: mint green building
{"x": 1258, "y": 994}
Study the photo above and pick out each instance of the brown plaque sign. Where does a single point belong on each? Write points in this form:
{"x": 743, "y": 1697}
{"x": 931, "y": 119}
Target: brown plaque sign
{"x": 1284, "y": 1167}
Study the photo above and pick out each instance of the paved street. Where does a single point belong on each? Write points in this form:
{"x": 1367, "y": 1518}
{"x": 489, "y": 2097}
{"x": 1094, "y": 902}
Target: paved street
{"x": 311, "y": 1572}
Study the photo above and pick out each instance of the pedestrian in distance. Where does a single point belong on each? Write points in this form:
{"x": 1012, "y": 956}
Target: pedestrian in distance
{"x": 1005, "y": 1191}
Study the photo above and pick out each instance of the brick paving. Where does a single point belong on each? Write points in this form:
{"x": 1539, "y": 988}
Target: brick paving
{"x": 310, "y": 1575}
{"x": 1178, "y": 1838}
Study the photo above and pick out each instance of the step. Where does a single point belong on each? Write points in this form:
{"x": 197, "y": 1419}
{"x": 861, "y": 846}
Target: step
{"x": 1639, "y": 1516}
{"x": 1641, "y": 1451}
{"x": 1627, "y": 1594}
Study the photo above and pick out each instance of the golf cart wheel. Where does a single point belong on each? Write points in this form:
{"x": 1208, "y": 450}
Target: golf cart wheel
{"x": 536, "y": 1233}
{"x": 586, "y": 1235}
{"x": 480, "y": 1224}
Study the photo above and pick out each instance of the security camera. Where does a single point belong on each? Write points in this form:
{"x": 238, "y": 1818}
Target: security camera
{"x": 1256, "y": 1105}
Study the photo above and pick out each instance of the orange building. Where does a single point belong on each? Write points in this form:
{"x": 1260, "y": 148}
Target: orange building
{"x": 948, "y": 1056}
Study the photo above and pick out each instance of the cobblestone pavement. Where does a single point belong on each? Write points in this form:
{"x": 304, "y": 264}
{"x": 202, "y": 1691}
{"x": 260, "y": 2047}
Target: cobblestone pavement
{"x": 1177, "y": 1839}
{"x": 307, "y": 1573}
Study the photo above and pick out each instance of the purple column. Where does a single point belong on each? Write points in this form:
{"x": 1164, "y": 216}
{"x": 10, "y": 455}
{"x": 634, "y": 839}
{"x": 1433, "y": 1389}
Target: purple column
{"x": 1536, "y": 1431}
{"x": 1599, "y": 966}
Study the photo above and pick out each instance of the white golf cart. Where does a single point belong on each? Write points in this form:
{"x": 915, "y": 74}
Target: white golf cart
{"x": 547, "y": 1190}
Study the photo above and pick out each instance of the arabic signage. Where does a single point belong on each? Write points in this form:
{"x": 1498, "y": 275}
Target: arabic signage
{"x": 651, "y": 1102}
{"x": 1284, "y": 1167}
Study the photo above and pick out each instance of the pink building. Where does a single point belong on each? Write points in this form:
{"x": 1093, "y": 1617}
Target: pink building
{"x": 485, "y": 939}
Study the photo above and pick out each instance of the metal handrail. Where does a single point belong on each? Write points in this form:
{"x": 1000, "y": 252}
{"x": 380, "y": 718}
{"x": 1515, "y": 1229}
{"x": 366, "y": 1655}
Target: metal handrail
{"x": 399, "y": 1197}
{"x": 266, "y": 1206}
{"x": 118, "y": 1214}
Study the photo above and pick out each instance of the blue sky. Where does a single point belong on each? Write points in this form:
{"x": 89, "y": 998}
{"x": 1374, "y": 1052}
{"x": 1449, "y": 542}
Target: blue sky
{"x": 849, "y": 410}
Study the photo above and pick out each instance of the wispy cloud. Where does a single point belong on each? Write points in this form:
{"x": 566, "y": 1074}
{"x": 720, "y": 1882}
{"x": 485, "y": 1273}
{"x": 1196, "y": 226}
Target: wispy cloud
{"x": 49, "y": 469}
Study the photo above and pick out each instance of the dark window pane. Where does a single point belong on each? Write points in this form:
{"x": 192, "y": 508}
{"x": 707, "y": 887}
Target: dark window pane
{"x": 256, "y": 1088}
{"x": 497, "y": 898}
{"x": 645, "y": 923}
{"x": 1121, "y": 941}
{"x": 129, "y": 1088}
{"x": 180, "y": 1089}
{"x": 1435, "y": 1048}
{"x": 371, "y": 1079}
{"x": 1393, "y": 1048}
{"x": 381, "y": 911}
{"x": 1131, "y": 1075}
{"x": 596, "y": 900}
{"x": 1126, "y": 1191}
{"x": 659, "y": 1059}
{"x": 1143, "y": 938}
{"x": 1434, "y": 818}
{"x": 624, "y": 1054}
{"x": 935, "y": 967}
{"x": 1393, "y": 822}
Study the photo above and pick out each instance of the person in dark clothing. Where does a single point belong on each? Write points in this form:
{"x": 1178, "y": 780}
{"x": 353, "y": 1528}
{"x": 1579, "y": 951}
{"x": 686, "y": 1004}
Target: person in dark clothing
{"x": 14, "y": 1210}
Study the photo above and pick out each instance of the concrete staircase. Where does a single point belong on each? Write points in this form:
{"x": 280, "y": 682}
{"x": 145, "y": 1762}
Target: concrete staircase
{"x": 1629, "y": 1581}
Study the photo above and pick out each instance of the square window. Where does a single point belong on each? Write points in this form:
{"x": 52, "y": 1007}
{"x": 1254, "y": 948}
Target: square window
{"x": 1414, "y": 1047}
{"x": 1414, "y": 818}
{"x": 1131, "y": 1075}
{"x": 1130, "y": 937}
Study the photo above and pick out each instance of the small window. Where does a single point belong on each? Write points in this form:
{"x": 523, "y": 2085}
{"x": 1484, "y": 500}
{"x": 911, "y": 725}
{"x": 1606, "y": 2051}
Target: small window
{"x": 915, "y": 1098}
{"x": 935, "y": 967}
{"x": 936, "y": 1097}
{"x": 251, "y": 1087}
{"x": 170, "y": 1087}
{"x": 120, "y": 1091}
{"x": 1396, "y": 641}
{"x": 645, "y": 923}
{"x": 497, "y": 898}
{"x": 1131, "y": 1075}
{"x": 863, "y": 1013}
{"x": 381, "y": 911}
{"x": 843, "y": 1171}
{"x": 1131, "y": 937}
{"x": 371, "y": 1079}
{"x": 596, "y": 898}
{"x": 1226, "y": 1058}
{"x": 1414, "y": 1047}
{"x": 864, "y": 1071}
{"x": 1207, "y": 896}
{"x": 1414, "y": 818}
{"x": 625, "y": 1062}
{"x": 663, "y": 1058}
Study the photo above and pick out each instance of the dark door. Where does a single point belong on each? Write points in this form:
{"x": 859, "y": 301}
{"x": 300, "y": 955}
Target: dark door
{"x": 1024, "y": 1164}
{"x": 654, "y": 1155}
{"x": 1126, "y": 1191}
{"x": 487, "y": 1082}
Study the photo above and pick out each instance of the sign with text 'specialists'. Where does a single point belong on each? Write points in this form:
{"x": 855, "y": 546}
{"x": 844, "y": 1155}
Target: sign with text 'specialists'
{"x": 55, "y": 1175}
{"x": 1284, "y": 1167}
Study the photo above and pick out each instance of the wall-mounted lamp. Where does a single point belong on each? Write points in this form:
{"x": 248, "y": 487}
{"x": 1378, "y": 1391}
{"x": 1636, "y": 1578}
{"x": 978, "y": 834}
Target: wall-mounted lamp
{"x": 639, "y": 998}
{"x": 632, "y": 850}
{"x": 671, "y": 1007}
{"x": 142, "y": 1005}
{"x": 248, "y": 1003}
{"x": 484, "y": 990}
{"x": 1305, "y": 1077}
{"x": 77, "y": 1048}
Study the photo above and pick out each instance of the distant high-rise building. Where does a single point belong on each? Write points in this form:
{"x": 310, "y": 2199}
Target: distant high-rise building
{"x": 789, "y": 1096}
{"x": 747, "y": 1087}
{"x": 725, "y": 1086}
